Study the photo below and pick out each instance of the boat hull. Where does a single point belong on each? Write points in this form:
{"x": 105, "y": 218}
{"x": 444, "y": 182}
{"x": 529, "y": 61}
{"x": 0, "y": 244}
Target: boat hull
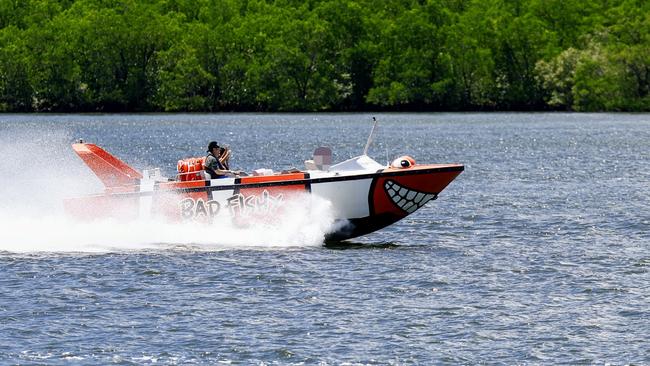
{"x": 362, "y": 202}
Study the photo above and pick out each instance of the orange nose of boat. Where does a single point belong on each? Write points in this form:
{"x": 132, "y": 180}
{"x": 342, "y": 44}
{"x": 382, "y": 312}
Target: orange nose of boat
{"x": 403, "y": 194}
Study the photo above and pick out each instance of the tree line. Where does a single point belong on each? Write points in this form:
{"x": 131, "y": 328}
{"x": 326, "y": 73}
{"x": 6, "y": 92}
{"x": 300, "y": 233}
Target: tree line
{"x": 324, "y": 55}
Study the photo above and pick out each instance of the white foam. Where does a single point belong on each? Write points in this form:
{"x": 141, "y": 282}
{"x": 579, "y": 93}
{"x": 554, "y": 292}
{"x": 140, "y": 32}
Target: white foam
{"x": 38, "y": 177}
{"x": 301, "y": 224}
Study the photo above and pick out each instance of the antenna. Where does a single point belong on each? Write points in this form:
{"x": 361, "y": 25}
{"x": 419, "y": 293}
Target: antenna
{"x": 372, "y": 132}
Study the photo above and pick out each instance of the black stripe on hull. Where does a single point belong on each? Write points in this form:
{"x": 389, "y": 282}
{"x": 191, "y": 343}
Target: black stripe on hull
{"x": 237, "y": 186}
{"x": 371, "y": 195}
{"x": 358, "y": 227}
{"x": 207, "y": 184}
{"x": 306, "y": 181}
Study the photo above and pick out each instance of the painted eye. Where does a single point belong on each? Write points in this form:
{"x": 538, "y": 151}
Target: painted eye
{"x": 403, "y": 162}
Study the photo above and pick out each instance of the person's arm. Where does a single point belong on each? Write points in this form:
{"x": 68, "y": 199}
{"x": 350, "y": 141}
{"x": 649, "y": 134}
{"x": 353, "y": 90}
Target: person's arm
{"x": 225, "y": 155}
{"x": 219, "y": 172}
{"x": 207, "y": 165}
{"x": 224, "y": 158}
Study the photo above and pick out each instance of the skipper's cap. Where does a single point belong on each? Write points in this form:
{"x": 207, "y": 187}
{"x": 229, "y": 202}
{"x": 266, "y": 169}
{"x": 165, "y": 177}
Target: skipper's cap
{"x": 212, "y": 145}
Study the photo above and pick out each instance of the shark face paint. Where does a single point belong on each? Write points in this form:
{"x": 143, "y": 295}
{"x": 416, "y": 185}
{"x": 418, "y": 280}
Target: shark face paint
{"x": 407, "y": 199}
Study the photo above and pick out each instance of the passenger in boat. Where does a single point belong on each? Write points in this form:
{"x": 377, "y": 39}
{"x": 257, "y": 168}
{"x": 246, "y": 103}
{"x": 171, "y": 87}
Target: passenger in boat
{"x": 213, "y": 163}
{"x": 224, "y": 157}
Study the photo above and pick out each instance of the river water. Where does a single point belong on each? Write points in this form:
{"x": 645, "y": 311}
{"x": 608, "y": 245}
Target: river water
{"x": 538, "y": 253}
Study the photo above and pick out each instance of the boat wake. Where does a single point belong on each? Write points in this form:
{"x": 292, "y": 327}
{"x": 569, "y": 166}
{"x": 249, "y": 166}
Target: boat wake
{"x": 58, "y": 233}
{"x": 32, "y": 215}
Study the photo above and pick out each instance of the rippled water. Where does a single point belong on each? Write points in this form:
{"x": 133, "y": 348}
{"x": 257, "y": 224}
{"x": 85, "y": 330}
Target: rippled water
{"x": 539, "y": 253}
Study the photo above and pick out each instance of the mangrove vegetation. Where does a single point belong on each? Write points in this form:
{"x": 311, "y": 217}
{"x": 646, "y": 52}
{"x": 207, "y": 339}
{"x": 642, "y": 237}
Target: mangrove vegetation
{"x": 329, "y": 55}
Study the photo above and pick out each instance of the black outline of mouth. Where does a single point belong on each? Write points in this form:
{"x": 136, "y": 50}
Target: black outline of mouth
{"x": 407, "y": 199}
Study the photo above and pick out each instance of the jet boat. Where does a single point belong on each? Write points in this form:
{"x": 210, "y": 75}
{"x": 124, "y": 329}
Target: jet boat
{"x": 365, "y": 196}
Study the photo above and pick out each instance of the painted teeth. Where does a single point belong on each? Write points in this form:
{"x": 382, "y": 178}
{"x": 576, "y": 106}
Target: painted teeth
{"x": 407, "y": 199}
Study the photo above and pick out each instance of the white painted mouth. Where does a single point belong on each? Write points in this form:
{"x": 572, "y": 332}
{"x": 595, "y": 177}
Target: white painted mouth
{"x": 407, "y": 199}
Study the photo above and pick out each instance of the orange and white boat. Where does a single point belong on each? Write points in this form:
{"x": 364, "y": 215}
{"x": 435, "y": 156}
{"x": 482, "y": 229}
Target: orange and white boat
{"x": 365, "y": 195}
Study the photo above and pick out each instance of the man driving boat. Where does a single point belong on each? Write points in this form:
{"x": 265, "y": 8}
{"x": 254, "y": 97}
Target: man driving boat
{"x": 216, "y": 163}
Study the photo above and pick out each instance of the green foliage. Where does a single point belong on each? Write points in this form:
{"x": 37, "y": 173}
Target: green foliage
{"x": 118, "y": 48}
{"x": 558, "y": 77}
{"x": 409, "y": 71}
{"x": 289, "y": 55}
{"x": 610, "y": 72}
{"x": 15, "y": 88}
{"x": 54, "y": 74}
{"x": 468, "y": 57}
{"x": 183, "y": 80}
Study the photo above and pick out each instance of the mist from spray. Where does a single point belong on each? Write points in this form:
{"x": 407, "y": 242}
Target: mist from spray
{"x": 39, "y": 175}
